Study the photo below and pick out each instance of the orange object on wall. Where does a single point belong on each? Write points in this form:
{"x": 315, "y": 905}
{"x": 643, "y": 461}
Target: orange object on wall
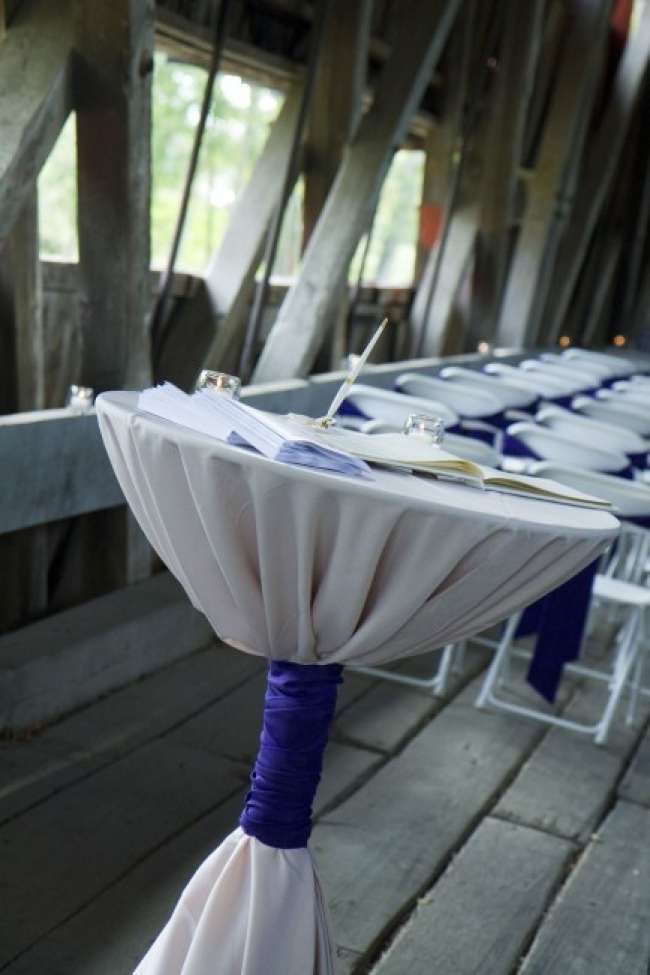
{"x": 431, "y": 217}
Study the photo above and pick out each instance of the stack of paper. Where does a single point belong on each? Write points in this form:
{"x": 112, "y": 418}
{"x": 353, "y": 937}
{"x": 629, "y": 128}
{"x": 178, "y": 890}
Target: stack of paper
{"x": 227, "y": 419}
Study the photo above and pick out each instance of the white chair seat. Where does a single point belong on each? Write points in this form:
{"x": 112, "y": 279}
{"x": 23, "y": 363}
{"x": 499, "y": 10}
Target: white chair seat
{"x": 540, "y": 385}
{"x": 618, "y": 365}
{"x": 464, "y": 399}
{"x": 394, "y": 408}
{"x": 549, "y": 445}
{"x": 592, "y": 431}
{"x": 619, "y": 591}
{"x": 510, "y": 397}
{"x": 637, "y": 420}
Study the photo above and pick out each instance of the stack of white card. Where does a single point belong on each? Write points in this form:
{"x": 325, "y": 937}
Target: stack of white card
{"x": 227, "y": 419}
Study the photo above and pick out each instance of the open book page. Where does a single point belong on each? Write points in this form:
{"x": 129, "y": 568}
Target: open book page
{"x": 397, "y": 449}
{"x": 541, "y": 487}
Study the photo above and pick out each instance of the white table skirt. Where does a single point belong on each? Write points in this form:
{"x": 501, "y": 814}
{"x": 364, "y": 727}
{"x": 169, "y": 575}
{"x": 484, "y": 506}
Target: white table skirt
{"x": 299, "y": 565}
{"x": 294, "y": 564}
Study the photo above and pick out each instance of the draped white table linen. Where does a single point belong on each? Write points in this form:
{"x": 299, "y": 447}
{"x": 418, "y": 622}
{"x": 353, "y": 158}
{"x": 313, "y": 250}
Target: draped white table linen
{"x": 304, "y": 566}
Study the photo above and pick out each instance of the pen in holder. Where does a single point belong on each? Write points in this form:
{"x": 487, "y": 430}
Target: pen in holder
{"x": 220, "y": 382}
{"x": 430, "y": 428}
{"x": 80, "y": 398}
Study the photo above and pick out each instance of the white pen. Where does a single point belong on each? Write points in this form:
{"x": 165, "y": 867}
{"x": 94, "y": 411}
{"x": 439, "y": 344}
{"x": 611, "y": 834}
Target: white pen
{"x": 349, "y": 380}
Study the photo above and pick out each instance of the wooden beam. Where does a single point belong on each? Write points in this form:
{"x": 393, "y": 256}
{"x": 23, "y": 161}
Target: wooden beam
{"x": 310, "y": 306}
{"x": 501, "y": 159}
{"x": 36, "y": 100}
{"x": 113, "y": 72}
{"x": 113, "y": 100}
{"x": 601, "y": 168}
{"x": 336, "y": 104}
{"x": 456, "y": 263}
{"x": 28, "y": 308}
{"x": 446, "y": 164}
{"x": 230, "y": 275}
{"x": 25, "y": 554}
{"x": 546, "y": 201}
{"x": 441, "y": 146}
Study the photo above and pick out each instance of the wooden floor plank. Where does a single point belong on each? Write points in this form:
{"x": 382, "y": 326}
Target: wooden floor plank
{"x": 379, "y": 849}
{"x": 389, "y": 713}
{"x": 484, "y": 909}
{"x": 568, "y": 781}
{"x": 601, "y": 922}
{"x": 101, "y": 733}
{"x": 62, "y": 853}
{"x": 110, "y": 935}
{"x": 636, "y": 782}
{"x": 139, "y": 904}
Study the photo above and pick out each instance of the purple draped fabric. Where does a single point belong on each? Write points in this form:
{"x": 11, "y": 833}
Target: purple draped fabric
{"x": 298, "y": 709}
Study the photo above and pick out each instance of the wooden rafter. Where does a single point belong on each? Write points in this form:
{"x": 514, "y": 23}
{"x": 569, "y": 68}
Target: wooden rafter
{"x": 113, "y": 71}
{"x": 547, "y": 201}
{"x": 502, "y": 157}
{"x": 300, "y": 328}
{"x": 36, "y": 98}
{"x": 600, "y": 171}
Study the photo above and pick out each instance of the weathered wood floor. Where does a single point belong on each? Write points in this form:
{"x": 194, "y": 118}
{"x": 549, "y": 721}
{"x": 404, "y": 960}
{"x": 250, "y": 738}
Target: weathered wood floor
{"x": 450, "y": 841}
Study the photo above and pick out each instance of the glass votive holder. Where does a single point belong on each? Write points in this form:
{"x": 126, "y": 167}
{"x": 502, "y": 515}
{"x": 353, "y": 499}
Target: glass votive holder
{"x": 220, "y": 382}
{"x": 430, "y": 428}
{"x": 80, "y": 398}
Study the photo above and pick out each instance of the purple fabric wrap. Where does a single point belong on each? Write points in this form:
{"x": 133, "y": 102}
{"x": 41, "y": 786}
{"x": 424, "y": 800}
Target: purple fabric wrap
{"x": 298, "y": 709}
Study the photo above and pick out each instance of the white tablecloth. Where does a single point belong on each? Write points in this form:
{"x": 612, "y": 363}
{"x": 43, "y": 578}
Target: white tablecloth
{"x": 300, "y": 565}
{"x": 304, "y": 566}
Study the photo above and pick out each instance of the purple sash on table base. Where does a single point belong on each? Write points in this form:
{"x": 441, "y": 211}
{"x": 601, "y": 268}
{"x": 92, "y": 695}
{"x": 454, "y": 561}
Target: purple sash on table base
{"x": 298, "y": 709}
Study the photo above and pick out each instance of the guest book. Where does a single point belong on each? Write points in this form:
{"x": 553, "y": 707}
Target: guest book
{"x": 305, "y": 442}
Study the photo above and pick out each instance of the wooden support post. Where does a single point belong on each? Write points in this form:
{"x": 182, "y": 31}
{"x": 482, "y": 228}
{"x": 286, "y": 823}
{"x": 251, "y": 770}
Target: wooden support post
{"x": 455, "y": 264}
{"x": 25, "y": 554}
{"x": 28, "y": 305}
{"x": 193, "y": 338}
{"x": 336, "y": 105}
{"x": 501, "y": 161}
{"x": 335, "y": 113}
{"x": 441, "y": 192}
{"x": 600, "y": 170}
{"x": 113, "y": 100}
{"x": 35, "y": 86}
{"x": 113, "y": 69}
{"x": 547, "y": 203}
{"x": 310, "y": 305}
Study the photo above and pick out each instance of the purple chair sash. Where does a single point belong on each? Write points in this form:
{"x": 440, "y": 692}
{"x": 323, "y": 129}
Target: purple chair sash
{"x": 564, "y": 401}
{"x": 298, "y": 709}
{"x": 559, "y": 620}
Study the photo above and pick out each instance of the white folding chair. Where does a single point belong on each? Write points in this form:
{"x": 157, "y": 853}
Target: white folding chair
{"x": 608, "y": 411}
{"x": 619, "y": 586}
{"x": 534, "y": 382}
{"x": 572, "y": 374}
{"x": 372, "y": 402}
{"x": 590, "y": 431}
{"x": 620, "y": 365}
{"x": 549, "y": 445}
{"x": 510, "y": 397}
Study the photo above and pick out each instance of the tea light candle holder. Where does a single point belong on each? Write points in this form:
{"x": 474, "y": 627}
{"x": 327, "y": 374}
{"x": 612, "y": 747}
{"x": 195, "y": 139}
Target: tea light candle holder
{"x": 220, "y": 383}
{"x": 430, "y": 428}
{"x": 80, "y": 398}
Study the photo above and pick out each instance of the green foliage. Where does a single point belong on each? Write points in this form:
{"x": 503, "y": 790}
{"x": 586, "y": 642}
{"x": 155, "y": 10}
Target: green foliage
{"x": 239, "y": 123}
